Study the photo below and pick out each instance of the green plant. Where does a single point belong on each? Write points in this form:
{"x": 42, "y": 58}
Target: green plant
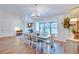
{"x": 73, "y": 30}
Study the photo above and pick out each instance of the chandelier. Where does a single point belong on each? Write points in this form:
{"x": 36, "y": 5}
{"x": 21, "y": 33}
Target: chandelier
{"x": 36, "y": 13}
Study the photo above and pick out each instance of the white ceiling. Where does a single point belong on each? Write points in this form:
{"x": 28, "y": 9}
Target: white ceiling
{"x": 44, "y": 9}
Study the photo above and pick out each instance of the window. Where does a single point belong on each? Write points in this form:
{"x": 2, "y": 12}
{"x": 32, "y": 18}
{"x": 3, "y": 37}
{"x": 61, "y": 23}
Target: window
{"x": 47, "y": 27}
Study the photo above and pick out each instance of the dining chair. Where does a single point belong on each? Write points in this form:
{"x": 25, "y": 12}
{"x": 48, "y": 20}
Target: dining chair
{"x": 28, "y": 40}
{"x": 21, "y": 38}
{"x": 33, "y": 42}
{"x": 48, "y": 46}
{"x": 53, "y": 37}
{"x": 39, "y": 47}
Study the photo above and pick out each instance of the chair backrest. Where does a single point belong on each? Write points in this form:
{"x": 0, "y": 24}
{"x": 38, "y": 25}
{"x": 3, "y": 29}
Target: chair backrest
{"x": 53, "y": 37}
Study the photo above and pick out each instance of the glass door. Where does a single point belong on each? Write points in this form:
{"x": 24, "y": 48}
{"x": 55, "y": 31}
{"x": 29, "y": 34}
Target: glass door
{"x": 47, "y": 28}
{"x": 54, "y": 28}
{"x": 41, "y": 27}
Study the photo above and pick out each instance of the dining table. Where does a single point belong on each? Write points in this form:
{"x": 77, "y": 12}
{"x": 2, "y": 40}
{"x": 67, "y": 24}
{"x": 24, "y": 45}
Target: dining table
{"x": 42, "y": 39}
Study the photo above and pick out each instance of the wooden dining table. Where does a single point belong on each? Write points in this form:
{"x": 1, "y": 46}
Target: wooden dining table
{"x": 45, "y": 38}
{"x": 41, "y": 36}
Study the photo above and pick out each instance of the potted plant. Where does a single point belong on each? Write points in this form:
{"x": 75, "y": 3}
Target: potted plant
{"x": 73, "y": 30}
{"x": 76, "y": 36}
{"x": 76, "y": 33}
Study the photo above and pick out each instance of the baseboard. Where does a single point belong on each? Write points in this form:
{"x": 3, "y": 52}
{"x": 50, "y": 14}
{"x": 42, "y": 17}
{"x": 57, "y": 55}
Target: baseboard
{"x": 7, "y": 36}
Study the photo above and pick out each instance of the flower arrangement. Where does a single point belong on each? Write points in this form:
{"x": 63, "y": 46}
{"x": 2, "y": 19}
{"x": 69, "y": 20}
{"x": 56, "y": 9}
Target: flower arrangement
{"x": 66, "y": 23}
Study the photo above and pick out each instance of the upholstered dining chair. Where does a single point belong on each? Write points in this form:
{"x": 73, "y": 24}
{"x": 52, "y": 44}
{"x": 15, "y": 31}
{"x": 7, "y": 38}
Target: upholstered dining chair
{"x": 39, "y": 46}
{"x": 28, "y": 40}
{"x": 49, "y": 46}
{"x": 53, "y": 37}
{"x": 21, "y": 37}
{"x": 33, "y": 42}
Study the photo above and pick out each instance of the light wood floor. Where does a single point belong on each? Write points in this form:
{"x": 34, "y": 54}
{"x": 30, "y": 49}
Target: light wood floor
{"x": 10, "y": 45}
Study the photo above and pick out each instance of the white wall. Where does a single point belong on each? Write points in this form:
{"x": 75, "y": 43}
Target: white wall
{"x": 28, "y": 20}
{"x": 8, "y": 22}
{"x": 63, "y": 33}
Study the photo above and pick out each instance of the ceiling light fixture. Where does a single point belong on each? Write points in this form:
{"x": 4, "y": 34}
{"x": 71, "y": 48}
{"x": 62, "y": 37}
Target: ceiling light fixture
{"x": 36, "y": 13}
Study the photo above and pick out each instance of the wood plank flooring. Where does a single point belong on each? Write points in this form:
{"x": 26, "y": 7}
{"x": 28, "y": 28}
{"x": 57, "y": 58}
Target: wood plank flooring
{"x": 10, "y": 45}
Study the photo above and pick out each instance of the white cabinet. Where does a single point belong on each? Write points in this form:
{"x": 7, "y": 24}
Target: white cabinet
{"x": 72, "y": 46}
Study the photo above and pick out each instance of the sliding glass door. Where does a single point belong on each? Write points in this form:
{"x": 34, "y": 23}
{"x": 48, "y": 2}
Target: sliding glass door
{"x": 47, "y": 27}
{"x": 53, "y": 28}
{"x": 41, "y": 27}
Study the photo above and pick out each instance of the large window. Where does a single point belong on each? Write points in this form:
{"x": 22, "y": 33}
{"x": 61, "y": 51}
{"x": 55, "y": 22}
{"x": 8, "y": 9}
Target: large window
{"x": 47, "y": 27}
